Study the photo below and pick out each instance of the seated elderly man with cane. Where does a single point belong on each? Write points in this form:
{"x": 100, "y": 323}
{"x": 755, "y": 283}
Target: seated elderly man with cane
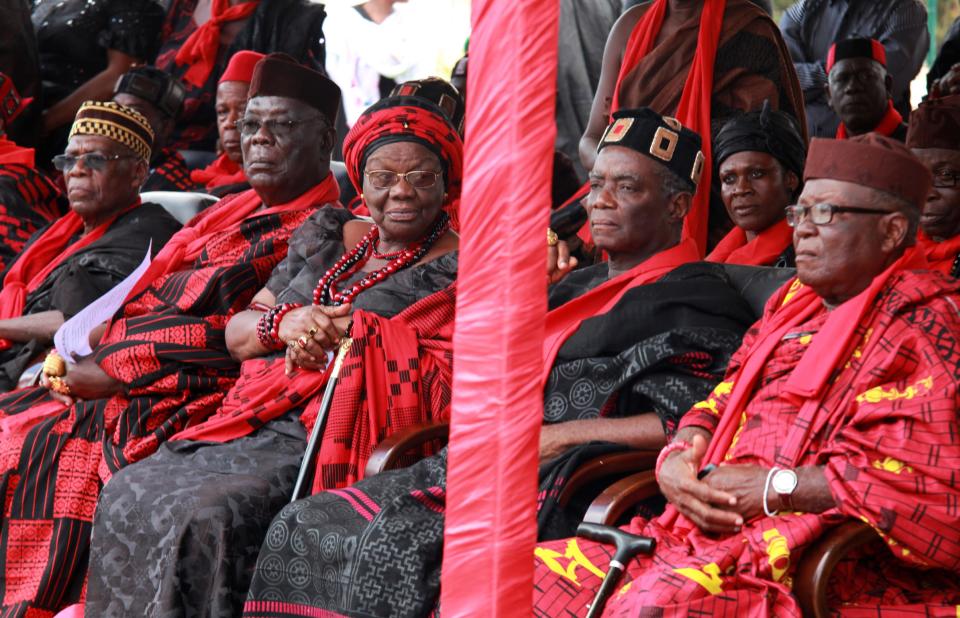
{"x": 841, "y": 404}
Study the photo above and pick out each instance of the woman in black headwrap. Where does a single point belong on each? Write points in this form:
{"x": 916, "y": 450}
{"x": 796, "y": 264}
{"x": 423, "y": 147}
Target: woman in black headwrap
{"x": 760, "y": 158}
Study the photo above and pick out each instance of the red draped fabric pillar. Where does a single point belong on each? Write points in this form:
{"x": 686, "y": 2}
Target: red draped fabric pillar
{"x": 501, "y": 303}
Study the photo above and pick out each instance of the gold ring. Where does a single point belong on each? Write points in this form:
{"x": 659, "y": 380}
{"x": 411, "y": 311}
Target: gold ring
{"x": 302, "y": 341}
{"x": 313, "y": 331}
{"x": 552, "y": 238}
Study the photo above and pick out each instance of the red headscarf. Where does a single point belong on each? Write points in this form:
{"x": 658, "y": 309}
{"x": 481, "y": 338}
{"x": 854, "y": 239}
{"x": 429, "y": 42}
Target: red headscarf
{"x": 396, "y": 119}
{"x": 200, "y": 49}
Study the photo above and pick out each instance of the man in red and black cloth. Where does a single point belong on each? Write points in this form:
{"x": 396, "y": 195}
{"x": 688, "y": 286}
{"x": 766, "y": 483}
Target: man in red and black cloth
{"x": 840, "y": 405}
{"x": 858, "y": 89}
{"x": 162, "y": 362}
{"x": 159, "y": 97}
{"x": 934, "y": 137}
{"x": 28, "y": 199}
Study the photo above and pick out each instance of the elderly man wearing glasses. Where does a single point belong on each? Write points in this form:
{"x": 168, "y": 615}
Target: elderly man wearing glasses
{"x": 840, "y": 405}
{"x": 934, "y": 137}
{"x": 89, "y": 250}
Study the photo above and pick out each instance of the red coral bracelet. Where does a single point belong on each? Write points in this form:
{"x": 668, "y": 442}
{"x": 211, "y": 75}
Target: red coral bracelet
{"x": 677, "y": 445}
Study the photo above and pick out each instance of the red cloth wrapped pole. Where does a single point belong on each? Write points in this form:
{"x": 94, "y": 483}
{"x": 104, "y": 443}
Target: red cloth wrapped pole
{"x": 501, "y": 302}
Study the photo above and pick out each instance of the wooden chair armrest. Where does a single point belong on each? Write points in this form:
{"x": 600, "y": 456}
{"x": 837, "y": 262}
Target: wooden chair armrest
{"x": 819, "y": 560}
{"x": 386, "y": 454}
{"x": 616, "y": 499}
{"x": 604, "y": 466}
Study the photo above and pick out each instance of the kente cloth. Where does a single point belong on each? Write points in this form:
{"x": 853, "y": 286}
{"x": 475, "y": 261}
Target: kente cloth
{"x": 403, "y": 118}
{"x": 397, "y": 374}
{"x": 221, "y": 172}
{"x": 867, "y": 390}
{"x": 167, "y": 347}
{"x": 199, "y": 51}
{"x": 729, "y": 57}
{"x": 39, "y": 460}
{"x": 209, "y": 524}
{"x": 891, "y": 125}
{"x": 660, "y": 348}
{"x": 56, "y": 244}
{"x": 290, "y": 26}
{"x": 169, "y": 173}
{"x": 943, "y": 256}
{"x": 768, "y": 248}
{"x": 28, "y": 201}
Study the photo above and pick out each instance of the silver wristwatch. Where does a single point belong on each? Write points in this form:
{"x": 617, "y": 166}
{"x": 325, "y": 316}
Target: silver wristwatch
{"x": 784, "y": 482}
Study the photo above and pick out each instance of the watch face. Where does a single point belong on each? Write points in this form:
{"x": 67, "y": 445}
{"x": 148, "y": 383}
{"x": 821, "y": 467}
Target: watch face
{"x": 784, "y": 481}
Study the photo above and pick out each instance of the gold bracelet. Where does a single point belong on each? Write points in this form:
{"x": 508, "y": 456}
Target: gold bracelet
{"x": 552, "y": 238}
{"x": 58, "y": 385}
{"x": 54, "y": 365}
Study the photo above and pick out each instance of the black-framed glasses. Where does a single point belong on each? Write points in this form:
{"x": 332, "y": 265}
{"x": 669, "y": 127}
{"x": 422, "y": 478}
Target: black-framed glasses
{"x": 946, "y": 179}
{"x": 418, "y": 179}
{"x": 822, "y": 213}
{"x": 277, "y": 128}
{"x": 91, "y": 160}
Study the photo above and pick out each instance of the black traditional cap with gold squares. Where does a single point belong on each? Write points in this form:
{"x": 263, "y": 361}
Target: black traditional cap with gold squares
{"x": 116, "y": 122}
{"x": 661, "y": 138}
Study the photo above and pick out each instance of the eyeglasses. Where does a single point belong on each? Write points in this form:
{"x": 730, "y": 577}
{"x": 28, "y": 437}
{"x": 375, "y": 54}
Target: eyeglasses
{"x": 945, "y": 179}
{"x": 91, "y": 160}
{"x": 822, "y": 213}
{"x": 277, "y": 128}
{"x": 418, "y": 179}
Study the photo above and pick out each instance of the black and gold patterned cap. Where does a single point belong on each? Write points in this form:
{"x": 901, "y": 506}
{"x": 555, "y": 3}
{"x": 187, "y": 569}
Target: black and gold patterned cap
{"x": 661, "y": 138}
{"x": 116, "y": 122}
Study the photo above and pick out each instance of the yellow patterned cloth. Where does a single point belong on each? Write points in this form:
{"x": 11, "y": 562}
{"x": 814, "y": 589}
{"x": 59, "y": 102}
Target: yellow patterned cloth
{"x": 116, "y": 122}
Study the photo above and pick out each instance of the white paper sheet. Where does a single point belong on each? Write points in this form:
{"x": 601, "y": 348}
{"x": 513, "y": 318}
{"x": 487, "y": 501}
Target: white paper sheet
{"x": 72, "y": 340}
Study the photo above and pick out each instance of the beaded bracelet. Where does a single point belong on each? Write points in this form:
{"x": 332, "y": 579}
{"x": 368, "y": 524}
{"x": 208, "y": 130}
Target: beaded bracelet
{"x": 268, "y": 326}
{"x": 677, "y": 445}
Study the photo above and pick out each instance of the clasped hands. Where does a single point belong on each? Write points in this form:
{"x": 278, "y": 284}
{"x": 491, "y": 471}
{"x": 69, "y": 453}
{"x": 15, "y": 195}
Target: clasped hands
{"x": 723, "y": 500}
{"x": 310, "y": 332}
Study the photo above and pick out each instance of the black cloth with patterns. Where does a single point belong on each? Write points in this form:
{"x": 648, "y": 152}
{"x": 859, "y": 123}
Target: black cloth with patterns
{"x": 374, "y": 549}
{"x": 87, "y": 275}
{"x": 169, "y": 172}
{"x": 28, "y": 201}
{"x": 198, "y": 511}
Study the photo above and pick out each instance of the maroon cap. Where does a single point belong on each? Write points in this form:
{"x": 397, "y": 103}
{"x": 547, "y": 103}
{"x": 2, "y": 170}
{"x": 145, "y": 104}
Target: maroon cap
{"x": 870, "y": 160}
{"x": 279, "y": 75}
{"x": 935, "y": 124}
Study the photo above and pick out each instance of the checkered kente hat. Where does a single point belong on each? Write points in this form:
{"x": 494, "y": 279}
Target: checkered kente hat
{"x": 116, "y": 122}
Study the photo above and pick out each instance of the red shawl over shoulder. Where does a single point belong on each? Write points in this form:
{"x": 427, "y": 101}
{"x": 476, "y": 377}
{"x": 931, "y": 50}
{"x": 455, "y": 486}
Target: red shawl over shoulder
{"x": 566, "y": 319}
{"x": 221, "y": 172}
{"x": 763, "y": 250}
{"x": 940, "y": 255}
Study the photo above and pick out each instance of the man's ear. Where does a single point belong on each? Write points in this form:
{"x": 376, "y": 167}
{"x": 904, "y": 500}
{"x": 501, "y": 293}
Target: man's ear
{"x": 896, "y": 227}
{"x": 680, "y": 205}
{"x": 140, "y": 172}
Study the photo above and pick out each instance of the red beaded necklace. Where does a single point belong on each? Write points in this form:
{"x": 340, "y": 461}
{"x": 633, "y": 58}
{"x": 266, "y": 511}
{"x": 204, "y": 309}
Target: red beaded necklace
{"x": 326, "y": 291}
